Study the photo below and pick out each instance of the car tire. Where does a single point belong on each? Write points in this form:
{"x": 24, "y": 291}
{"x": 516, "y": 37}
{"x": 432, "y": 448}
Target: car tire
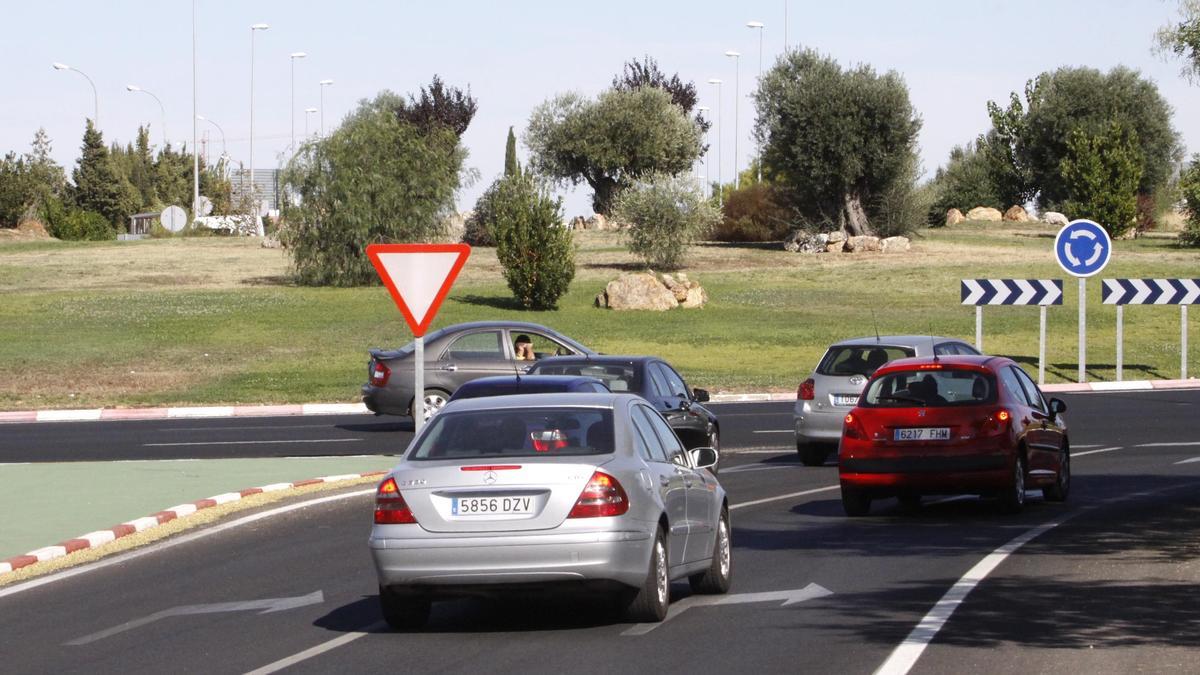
{"x": 404, "y": 611}
{"x": 1062, "y": 483}
{"x": 855, "y": 503}
{"x": 1012, "y": 500}
{"x": 812, "y": 454}
{"x": 434, "y": 400}
{"x": 651, "y": 601}
{"x": 715, "y": 580}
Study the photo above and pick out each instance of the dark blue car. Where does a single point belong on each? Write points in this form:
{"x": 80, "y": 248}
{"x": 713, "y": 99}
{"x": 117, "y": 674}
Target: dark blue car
{"x": 507, "y": 385}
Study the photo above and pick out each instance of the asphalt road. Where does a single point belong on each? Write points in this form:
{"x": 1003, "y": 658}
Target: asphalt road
{"x": 1107, "y": 586}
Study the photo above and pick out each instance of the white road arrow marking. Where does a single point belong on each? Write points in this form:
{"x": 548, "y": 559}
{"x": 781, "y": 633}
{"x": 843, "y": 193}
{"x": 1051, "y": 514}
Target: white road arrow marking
{"x": 267, "y": 606}
{"x": 1189, "y": 461}
{"x": 809, "y": 592}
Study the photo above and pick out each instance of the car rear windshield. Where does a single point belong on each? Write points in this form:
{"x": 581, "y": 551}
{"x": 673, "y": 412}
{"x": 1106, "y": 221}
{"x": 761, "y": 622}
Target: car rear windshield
{"x": 930, "y": 389}
{"x": 516, "y": 432}
{"x": 859, "y": 359}
{"x": 615, "y": 376}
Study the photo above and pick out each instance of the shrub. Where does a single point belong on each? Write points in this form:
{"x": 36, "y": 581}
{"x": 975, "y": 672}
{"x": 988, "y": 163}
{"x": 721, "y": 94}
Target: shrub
{"x": 536, "y": 251}
{"x": 73, "y": 224}
{"x": 477, "y": 231}
{"x": 753, "y": 213}
{"x": 1101, "y": 175}
{"x": 1189, "y": 185}
{"x": 665, "y": 215}
{"x": 964, "y": 183}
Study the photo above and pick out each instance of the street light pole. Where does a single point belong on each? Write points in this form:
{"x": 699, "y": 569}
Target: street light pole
{"x": 720, "y": 184}
{"x": 195, "y": 137}
{"x": 736, "y": 56}
{"x": 758, "y": 25}
{"x": 95, "y": 96}
{"x": 307, "y": 112}
{"x": 293, "y": 56}
{"x": 224, "y": 149}
{"x": 323, "y": 83}
{"x": 137, "y": 89}
{"x": 250, "y": 189}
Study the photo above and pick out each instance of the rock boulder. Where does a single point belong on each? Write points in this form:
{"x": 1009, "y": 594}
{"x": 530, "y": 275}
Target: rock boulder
{"x": 1054, "y": 218}
{"x": 954, "y": 217}
{"x": 862, "y": 244}
{"x": 986, "y": 213}
{"x": 895, "y": 245}
{"x": 1016, "y": 214}
{"x": 638, "y": 290}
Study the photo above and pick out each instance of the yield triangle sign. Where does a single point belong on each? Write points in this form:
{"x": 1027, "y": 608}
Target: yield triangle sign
{"x": 418, "y": 276}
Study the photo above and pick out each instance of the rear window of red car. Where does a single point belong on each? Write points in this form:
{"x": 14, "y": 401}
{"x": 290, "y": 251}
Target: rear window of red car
{"x": 930, "y": 389}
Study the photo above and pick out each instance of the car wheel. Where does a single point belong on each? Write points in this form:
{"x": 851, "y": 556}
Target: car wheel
{"x": 1013, "y": 499}
{"x": 1062, "y": 484}
{"x": 811, "y": 454}
{"x": 435, "y": 400}
{"x": 855, "y": 503}
{"x": 715, "y": 580}
{"x": 404, "y": 611}
{"x": 651, "y": 601}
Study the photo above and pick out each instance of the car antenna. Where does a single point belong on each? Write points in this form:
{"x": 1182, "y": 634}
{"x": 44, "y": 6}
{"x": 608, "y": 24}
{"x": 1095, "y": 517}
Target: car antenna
{"x": 876, "y": 325}
{"x": 932, "y": 346}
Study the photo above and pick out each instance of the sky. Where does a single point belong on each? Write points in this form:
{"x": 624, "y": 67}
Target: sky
{"x": 954, "y": 56}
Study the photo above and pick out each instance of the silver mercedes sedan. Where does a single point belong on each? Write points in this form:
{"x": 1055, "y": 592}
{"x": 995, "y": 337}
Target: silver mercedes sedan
{"x": 549, "y": 492}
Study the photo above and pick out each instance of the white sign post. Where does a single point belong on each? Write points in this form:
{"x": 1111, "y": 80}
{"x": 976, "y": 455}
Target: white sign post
{"x": 418, "y": 277}
{"x": 1082, "y": 248}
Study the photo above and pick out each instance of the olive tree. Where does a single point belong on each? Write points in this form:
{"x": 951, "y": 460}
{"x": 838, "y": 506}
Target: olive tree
{"x": 378, "y": 178}
{"x": 835, "y": 139}
{"x": 612, "y": 141}
{"x": 1182, "y": 39}
{"x": 665, "y": 215}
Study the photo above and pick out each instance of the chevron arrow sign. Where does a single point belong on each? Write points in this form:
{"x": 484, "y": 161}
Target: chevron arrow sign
{"x": 1150, "y": 291}
{"x": 1012, "y": 291}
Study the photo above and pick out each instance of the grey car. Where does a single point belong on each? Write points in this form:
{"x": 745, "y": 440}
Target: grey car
{"x": 549, "y": 492}
{"x": 832, "y": 389}
{"x": 454, "y": 355}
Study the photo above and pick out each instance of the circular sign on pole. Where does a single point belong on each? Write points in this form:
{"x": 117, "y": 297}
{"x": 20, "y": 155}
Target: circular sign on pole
{"x": 173, "y": 218}
{"x": 206, "y": 205}
{"x": 1082, "y": 248}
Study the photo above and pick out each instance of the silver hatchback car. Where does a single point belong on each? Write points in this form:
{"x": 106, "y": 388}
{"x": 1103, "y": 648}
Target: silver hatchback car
{"x": 549, "y": 491}
{"x": 832, "y": 389}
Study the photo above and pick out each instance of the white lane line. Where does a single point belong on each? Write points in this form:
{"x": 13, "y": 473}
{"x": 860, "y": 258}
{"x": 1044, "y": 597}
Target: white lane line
{"x": 247, "y": 428}
{"x": 759, "y": 467}
{"x": 299, "y": 440}
{"x": 1094, "y": 445}
{"x": 169, "y": 543}
{"x": 793, "y": 495}
{"x": 317, "y": 650}
{"x": 1168, "y": 445}
{"x": 775, "y": 431}
{"x": 762, "y": 451}
{"x": 905, "y": 656}
{"x": 1093, "y": 452}
{"x": 1189, "y": 461}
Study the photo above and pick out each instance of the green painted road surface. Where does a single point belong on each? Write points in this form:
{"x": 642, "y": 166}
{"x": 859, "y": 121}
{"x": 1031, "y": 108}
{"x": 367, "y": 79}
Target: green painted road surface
{"x": 44, "y": 504}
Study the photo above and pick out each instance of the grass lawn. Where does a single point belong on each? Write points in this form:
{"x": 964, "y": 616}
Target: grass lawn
{"x": 212, "y": 320}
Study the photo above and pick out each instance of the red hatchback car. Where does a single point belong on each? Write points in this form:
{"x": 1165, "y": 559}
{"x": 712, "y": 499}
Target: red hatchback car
{"x": 953, "y": 425}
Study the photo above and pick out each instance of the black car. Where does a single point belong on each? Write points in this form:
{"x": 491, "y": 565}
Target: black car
{"x": 509, "y": 385}
{"x": 652, "y": 379}
{"x": 455, "y": 355}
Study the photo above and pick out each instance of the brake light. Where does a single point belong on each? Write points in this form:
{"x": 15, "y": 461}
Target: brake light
{"x": 853, "y": 427}
{"x": 379, "y": 374}
{"x": 929, "y": 366}
{"x": 390, "y": 508}
{"x": 807, "y": 390}
{"x": 602, "y": 496}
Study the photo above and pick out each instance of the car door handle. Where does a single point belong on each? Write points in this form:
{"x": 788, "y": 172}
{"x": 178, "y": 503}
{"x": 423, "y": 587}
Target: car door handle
{"x": 450, "y": 368}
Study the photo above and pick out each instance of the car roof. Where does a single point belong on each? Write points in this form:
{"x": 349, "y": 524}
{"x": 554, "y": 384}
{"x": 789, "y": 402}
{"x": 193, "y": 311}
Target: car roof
{"x": 529, "y": 379}
{"x": 601, "y": 359}
{"x": 895, "y": 340}
{"x": 983, "y": 362}
{"x": 557, "y": 399}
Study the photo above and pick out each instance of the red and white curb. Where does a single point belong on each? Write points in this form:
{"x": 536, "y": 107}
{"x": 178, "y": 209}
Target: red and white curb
{"x": 101, "y": 537}
{"x": 106, "y": 414}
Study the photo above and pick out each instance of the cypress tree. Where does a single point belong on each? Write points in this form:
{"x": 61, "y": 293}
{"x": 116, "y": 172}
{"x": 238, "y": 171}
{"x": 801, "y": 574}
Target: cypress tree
{"x": 511, "y": 167}
{"x": 96, "y": 186}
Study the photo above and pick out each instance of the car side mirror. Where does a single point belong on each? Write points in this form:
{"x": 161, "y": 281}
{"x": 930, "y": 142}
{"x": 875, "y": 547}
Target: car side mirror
{"x": 1057, "y": 406}
{"x": 701, "y": 395}
{"x": 704, "y": 458}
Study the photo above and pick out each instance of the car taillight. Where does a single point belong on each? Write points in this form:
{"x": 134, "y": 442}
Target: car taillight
{"x": 390, "y": 508}
{"x": 996, "y": 423}
{"x": 853, "y": 427}
{"x": 602, "y": 496}
{"x": 379, "y": 374}
{"x": 807, "y": 390}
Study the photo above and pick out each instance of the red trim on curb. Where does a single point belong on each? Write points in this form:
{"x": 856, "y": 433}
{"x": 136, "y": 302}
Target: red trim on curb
{"x": 19, "y": 416}
{"x": 123, "y": 530}
{"x": 304, "y": 483}
{"x": 20, "y": 561}
{"x": 204, "y": 504}
{"x": 251, "y": 491}
{"x": 72, "y": 545}
{"x": 165, "y": 516}
{"x": 133, "y": 414}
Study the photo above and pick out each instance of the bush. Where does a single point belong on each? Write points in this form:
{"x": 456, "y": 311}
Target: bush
{"x": 964, "y": 183}
{"x": 753, "y": 213}
{"x": 477, "y": 231}
{"x": 902, "y": 206}
{"x": 1101, "y": 174}
{"x": 1189, "y": 185}
{"x": 536, "y": 251}
{"x": 71, "y": 224}
{"x": 665, "y": 215}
